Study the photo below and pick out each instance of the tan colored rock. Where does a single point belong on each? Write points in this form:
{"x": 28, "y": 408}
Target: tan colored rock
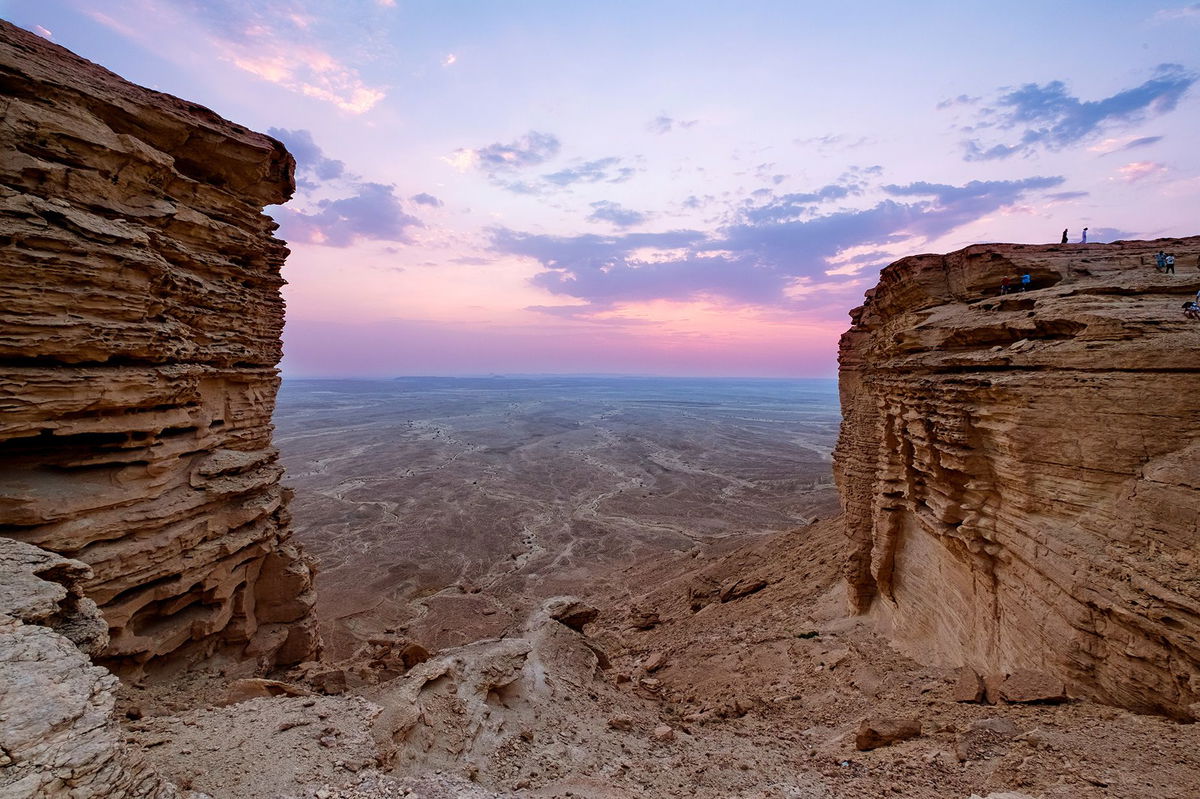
{"x": 663, "y": 733}
{"x": 1035, "y": 506}
{"x": 643, "y": 618}
{"x": 968, "y": 686}
{"x": 58, "y": 736}
{"x": 140, "y": 321}
{"x": 1033, "y": 687}
{"x": 654, "y": 662}
{"x": 257, "y": 688}
{"x": 884, "y": 731}
{"x": 571, "y": 611}
{"x": 739, "y": 588}
{"x": 985, "y": 739}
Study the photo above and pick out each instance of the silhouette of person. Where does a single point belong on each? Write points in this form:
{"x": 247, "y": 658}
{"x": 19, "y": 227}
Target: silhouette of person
{"x": 1084, "y": 240}
{"x": 1064, "y": 241}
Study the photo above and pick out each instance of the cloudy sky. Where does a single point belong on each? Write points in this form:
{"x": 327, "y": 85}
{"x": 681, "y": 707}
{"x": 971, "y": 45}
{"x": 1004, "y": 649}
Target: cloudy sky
{"x": 676, "y": 188}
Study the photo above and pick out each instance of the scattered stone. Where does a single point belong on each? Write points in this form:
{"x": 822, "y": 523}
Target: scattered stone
{"x": 256, "y": 688}
{"x": 741, "y": 588}
{"x": 654, "y": 662}
{"x": 1033, "y": 687}
{"x": 985, "y": 739}
{"x": 621, "y": 722}
{"x": 663, "y": 733}
{"x": 571, "y": 611}
{"x": 1002, "y": 727}
{"x": 643, "y": 619}
{"x": 969, "y": 686}
{"x": 885, "y": 731}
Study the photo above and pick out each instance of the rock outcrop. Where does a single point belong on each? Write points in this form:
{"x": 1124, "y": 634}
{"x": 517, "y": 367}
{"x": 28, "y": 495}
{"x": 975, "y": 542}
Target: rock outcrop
{"x": 57, "y": 732}
{"x": 140, "y": 321}
{"x": 1021, "y": 473}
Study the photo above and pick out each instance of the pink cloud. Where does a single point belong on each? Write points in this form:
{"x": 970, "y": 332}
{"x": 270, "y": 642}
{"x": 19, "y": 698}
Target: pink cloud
{"x": 1139, "y": 170}
{"x": 279, "y": 55}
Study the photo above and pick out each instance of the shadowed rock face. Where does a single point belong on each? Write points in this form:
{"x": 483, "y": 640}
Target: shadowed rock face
{"x": 141, "y": 320}
{"x": 57, "y": 733}
{"x": 1021, "y": 474}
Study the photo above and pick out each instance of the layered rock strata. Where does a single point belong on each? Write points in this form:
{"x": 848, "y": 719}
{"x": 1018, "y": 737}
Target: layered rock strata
{"x": 140, "y": 321}
{"x": 58, "y": 736}
{"x": 1021, "y": 473}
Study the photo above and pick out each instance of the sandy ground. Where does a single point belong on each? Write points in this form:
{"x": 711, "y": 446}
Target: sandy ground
{"x": 757, "y": 696}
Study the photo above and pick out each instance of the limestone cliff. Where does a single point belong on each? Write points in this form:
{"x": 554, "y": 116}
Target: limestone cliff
{"x": 1021, "y": 474}
{"x": 140, "y": 321}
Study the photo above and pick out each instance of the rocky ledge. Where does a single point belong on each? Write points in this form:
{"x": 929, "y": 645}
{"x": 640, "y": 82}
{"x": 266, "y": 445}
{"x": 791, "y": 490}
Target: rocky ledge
{"x": 1021, "y": 473}
{"x": 141, "y": 329}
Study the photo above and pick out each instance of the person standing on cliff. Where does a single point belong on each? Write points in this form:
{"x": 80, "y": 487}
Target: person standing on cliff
{"x": 1169, "y": 264}
{"x": 1064, "y": 241}
{"x": 1026, "y": 280}
{"x": 1084, "y": 239}
{"x": 1005, "y": 286}
{"x": 1160, "y": 260}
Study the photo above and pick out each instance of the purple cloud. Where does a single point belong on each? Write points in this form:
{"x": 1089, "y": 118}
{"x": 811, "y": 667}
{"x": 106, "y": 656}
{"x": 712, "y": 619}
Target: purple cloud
{"x": 530, "y": 150}
{"x": 664, "y": 124}
{"x": 310, "y": 160}
{"x": 758, "y": 257}
{"x": 605, "y": 211}
{"x": 426, "y": 199}
{"x": 1051, "y": 118}
{"x": 374, "y": 212}
{"x": 608, "y": 170}
{"x": 795, "y": 205}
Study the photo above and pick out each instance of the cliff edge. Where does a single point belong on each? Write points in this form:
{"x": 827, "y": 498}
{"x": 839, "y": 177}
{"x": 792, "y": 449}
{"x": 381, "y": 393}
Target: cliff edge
{"x": 1021, "y": 473}
{"x": 140, "y": 331}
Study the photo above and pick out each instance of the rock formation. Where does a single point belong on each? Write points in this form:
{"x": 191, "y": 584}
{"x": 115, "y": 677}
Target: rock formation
{"x": 141, "y": 321}
{"x": 1021, "y": 473}
{"x": 57, "y": 733}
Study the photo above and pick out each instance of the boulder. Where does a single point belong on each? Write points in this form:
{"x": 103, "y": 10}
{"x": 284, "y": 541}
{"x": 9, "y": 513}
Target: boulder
{"x": 884, "y": 731}
{"x": 571, "y": 611}
{"x": 968, "y": 686}
{"x": 741, "y": 588}
{"x": 1033, "y": 687}
{"x": 256, "y": 688}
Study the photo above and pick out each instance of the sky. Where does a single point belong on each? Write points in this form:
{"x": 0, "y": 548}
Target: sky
{"x": 669, "y": 188}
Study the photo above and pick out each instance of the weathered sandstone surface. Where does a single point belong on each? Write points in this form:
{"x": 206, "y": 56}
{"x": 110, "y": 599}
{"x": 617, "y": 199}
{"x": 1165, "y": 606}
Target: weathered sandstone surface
{"x": 57, "y": 733}
{"x": 1021, "y": 474}
{"x": 140, "y": 321}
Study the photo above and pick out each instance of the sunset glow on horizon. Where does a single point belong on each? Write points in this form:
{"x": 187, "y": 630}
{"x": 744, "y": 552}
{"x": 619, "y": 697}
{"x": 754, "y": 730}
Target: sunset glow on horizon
{"x": 670, "y": 188}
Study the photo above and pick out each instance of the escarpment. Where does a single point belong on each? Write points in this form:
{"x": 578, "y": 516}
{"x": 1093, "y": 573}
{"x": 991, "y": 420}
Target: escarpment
{"x": 140, "y": 321}
{"x": 1021, "y": 473}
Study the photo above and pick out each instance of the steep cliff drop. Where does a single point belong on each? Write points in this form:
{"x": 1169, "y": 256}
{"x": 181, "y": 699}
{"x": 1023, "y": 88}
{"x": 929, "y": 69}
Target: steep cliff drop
{"x": 141, "y": 328}
{"x": 1021, "y": 473}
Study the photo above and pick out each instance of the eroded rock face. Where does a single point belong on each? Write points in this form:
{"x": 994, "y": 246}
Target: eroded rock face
{"x": 1021, "y": 474}
{"x": 57, "y": 733}
{"x": 141, "y": 320}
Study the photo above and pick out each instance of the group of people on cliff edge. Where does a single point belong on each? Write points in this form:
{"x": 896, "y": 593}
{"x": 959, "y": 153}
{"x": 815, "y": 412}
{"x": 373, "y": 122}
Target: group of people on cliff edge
{"x": 1082, "y": 240}
{"x": 1024, "y": 283}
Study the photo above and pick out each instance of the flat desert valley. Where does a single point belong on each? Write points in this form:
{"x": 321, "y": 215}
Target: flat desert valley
{"x": 479, "y": 496}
